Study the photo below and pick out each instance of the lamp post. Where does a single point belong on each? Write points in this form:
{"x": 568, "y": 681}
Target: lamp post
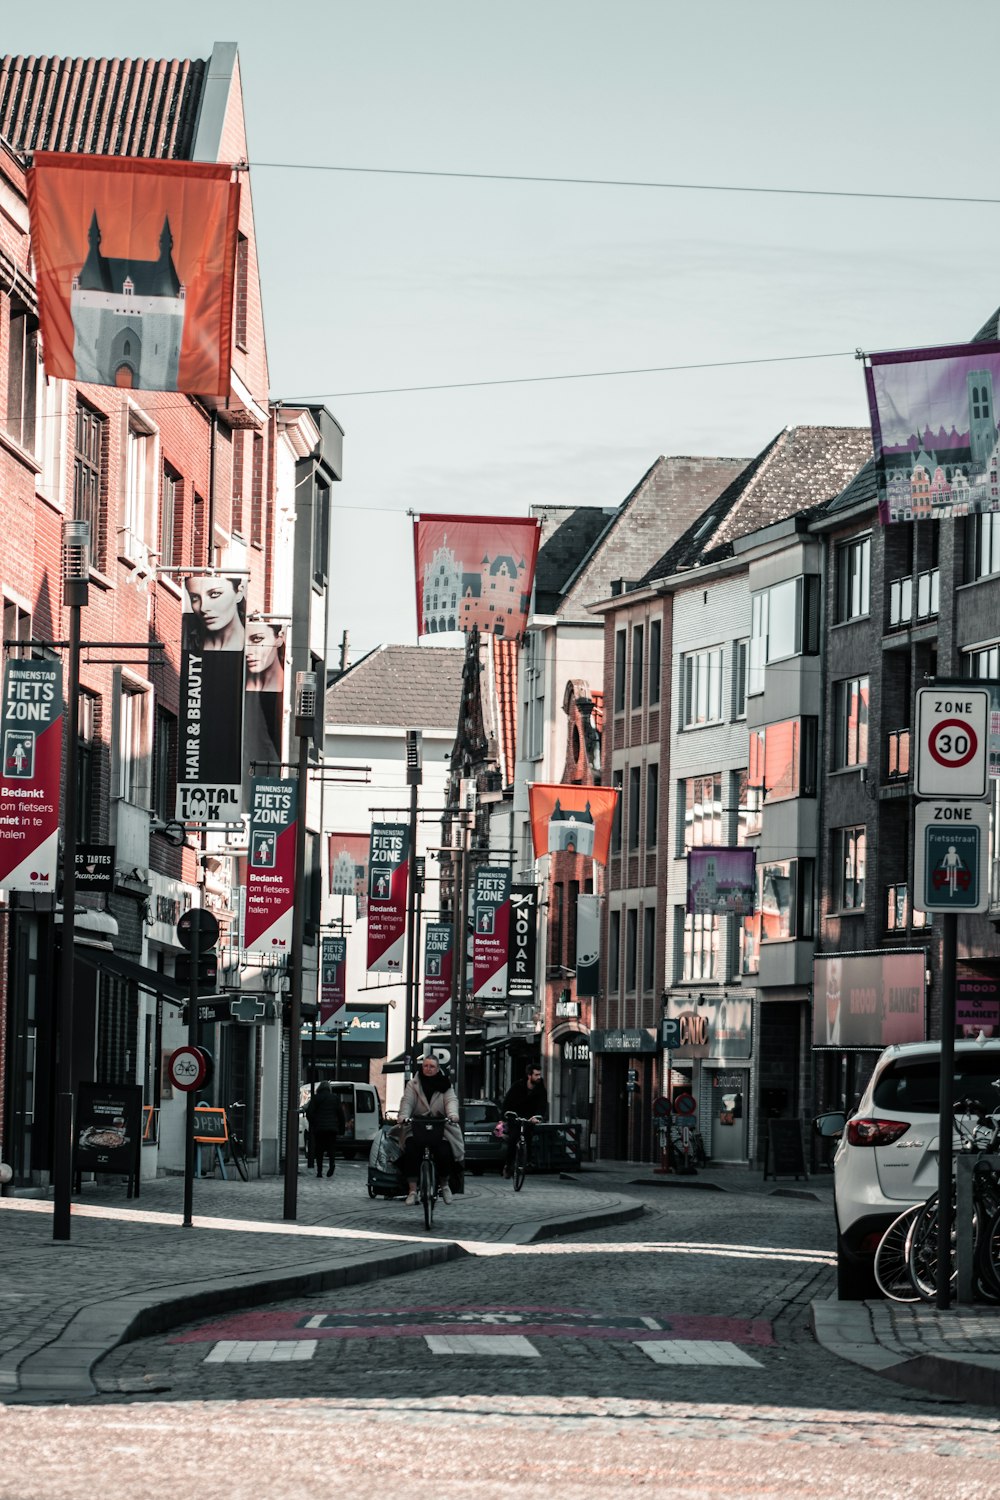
{"x": 414, "y": 776}
{"x": 305, "y": 719}
{"x": 76, "y": 578}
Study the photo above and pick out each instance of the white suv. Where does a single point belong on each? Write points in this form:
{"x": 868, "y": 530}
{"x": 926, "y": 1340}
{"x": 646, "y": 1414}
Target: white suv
{"x": 887, "y": 1156}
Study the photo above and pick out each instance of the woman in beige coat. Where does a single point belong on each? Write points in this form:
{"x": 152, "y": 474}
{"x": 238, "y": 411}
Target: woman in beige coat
{"x": 429, "y": 1092}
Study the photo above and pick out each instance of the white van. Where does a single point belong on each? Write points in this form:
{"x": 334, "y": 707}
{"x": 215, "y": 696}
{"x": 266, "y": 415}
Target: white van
{"x": 362, "y": 1112}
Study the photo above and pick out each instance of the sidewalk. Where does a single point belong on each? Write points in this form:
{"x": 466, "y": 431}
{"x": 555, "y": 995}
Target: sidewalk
{"x": 131, "y": 1269}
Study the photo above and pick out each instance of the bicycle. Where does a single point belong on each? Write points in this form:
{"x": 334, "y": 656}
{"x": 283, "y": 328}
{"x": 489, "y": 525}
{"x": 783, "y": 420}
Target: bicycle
{"x": 520, "y": 1147}
{"x": 237, "y": 1145}
{"x": 429, "y": 1133}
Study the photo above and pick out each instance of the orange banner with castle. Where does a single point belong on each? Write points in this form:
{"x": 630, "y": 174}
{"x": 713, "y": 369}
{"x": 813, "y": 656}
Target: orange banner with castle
{"x": 577, "y": 819}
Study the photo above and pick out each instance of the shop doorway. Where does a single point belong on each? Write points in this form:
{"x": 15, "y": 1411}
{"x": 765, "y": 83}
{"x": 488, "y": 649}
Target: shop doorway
{"x": 729, "y": 1115}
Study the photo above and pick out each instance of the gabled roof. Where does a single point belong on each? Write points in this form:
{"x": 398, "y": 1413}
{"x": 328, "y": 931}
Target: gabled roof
{"x": 799, "y": 470}
{"x": 101, "y": 106}
{"x": 406, "y": 687}
{"x": 569, "y": 532}
{"x": 668, "y": 497}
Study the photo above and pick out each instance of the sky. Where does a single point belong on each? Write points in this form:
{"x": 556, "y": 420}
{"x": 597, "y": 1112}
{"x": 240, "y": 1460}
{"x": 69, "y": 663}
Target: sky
{"x": 378, "y": 280}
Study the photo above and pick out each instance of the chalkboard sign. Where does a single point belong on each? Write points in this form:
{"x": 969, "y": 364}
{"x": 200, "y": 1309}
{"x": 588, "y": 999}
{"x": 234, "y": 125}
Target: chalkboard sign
{"x": 784, "y": 1154}
{"x": 209, "y": 1125}
{"x": 108, "y": 1128}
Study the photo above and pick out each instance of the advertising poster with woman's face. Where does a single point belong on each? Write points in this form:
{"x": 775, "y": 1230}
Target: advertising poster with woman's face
{"x": 265, "y": 695}
{"x": 210, "y": 753}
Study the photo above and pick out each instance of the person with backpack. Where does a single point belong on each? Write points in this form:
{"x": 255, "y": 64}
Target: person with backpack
{"x": 325, "y": 1116}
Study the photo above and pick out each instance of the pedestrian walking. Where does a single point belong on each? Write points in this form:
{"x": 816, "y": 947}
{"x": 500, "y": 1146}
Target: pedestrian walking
{"x": 325, "y": 1117}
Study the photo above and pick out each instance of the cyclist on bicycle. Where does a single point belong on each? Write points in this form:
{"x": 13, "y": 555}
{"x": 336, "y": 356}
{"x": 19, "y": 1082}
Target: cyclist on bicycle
{"x": 429, "y": 1092}
{"x": 527, "y": 1098}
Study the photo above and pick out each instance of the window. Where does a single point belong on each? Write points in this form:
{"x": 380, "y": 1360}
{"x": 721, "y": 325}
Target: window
{"x": 239, "y": 456}
{"x": 557, "y": 898}
{"x": 572, "y": 915}
{"x": 240, "y": 289}
{"x": 783, "y": 759}
{"x": 22, "y": 375}
{"x": 785, "y": 899}
{"x": 321, "y": 532}
{"x": 854, "y": 579}
{"x": 648, "y": 947}
{"x": 85, "y": 766}
{"x": 655, "y": 631}
{"x": 784, "y": 622}
{"x": 850, "y": 745}
{"x": 257, "y": 492}
{"x": 133, "y": 739}
{"x": 614, "y": 950}
{"x": 619, "y": 671}
{"x": 652, "y": 804}
{"x": 701, "y": 812}
{"x": 631, "y": 942}
{"x": 534, "y": 718}
{"x": 700, "y": 946}
{"x": 983, "y": 661}
{"x": 164, "y": 765}
{"x": 634, "y": 793}
{"x": 170, "y": 506}
{"x": 199, "y": 542}
{"x": 849, "y": 869}
{"x": 617, "y": 781}
{"x": 637, "y": 665}
{"x": 901, "y": 601}
{"x": 982, "y": 545}
{"x": 741, "y": 666}
{"x": 88, "y": 476}
{"x": 748, "y": 801}
{"x": 138, "y": 510}
{"x": 897, "y": 909}
{"x": 701, "y": 679}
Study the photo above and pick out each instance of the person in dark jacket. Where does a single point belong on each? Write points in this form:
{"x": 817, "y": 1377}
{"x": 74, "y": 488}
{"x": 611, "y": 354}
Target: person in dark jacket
{"x": 325, "y": 1116}
{"x": 527, "y": 1098}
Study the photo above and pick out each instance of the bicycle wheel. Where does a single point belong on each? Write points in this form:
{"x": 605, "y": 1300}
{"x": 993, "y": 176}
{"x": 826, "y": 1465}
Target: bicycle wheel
{"x": 426, "y": 1191}
{"x": 988, "y": 1260}
{"x": 520, "y": 1163}
{"x": 892, "y": 1268}
{"x": 238, "y": 1156}
{"x": 922, "y": 1250}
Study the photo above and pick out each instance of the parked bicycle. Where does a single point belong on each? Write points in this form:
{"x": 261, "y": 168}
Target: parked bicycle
{"x": 236, "y": 1130}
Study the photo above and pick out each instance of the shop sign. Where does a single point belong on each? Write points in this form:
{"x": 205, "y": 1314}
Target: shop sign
{"x": 719, "y": 1026}
{"x": 869, "y": 999}
{"x": 636, "y": 1040}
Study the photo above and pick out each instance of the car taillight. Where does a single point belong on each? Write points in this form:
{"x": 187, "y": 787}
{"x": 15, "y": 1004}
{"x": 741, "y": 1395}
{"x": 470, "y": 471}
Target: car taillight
{"x": 875, "y": 1132}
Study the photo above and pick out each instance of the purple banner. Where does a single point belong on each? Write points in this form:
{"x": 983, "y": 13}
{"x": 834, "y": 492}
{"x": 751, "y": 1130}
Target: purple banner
{"x": 333, "y": 978}
{"x": 388, "y": 875}
{"x": 491, "y": 933}
{"x": 934, "y": 430}
{"x": 721, "y": 881}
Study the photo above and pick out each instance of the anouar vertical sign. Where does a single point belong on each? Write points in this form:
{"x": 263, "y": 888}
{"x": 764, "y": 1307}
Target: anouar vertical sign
{"x": 523, "y": 934}
{"x": 270, "y": 894}
{"x": 29, "y": 790}
{"x": 491, "y": 933}
{"x": 388, "y": 869}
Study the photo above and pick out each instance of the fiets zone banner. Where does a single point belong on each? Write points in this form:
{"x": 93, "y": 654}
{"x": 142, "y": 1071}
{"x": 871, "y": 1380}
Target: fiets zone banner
{"x": 438, "y": 965}
{"x": 135, "y": 262}
{"x": 571, "y": 819}
{"x": 32, "y": 761}
{"x": 270, "y": 896}
{"x": 474, "y": 571}
{"x": 333, "y": 978}
{"x": 388, "y": 873}
{"x": 934, "y": 430}
{"x": 210, "y": 752}
{"x": 491, "y": 933}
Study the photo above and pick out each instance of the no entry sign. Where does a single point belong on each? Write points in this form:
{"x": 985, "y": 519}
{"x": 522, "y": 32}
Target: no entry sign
{"x": 952, "y": 735}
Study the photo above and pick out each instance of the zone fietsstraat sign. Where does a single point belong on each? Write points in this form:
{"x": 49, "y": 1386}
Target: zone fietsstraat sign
{"x": 953, "y": 742}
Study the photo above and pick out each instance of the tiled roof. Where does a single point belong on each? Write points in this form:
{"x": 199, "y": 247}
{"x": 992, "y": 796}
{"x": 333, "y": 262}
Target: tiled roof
{"x": 505, "y": 659}
{"x": 101, "y": 106}
{"x": 411, "y": 687}
{"x": 800, "y": 469}
{"x": 568, "y": 534}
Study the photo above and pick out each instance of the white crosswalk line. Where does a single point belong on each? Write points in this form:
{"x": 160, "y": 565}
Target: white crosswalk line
{"x": 513, "y": 1345}
{"x": 260, "y": 1351}
{"x": 695, "y": 1352}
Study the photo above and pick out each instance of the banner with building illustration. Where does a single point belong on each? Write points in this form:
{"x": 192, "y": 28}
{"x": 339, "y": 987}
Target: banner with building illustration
{"x": 332, "y": 978}
{"x": 135, "y": 261}
{"x": 388, "y": 877}
{"x": 264, "y": 697}
{"x": 474, "y": 571}
{"x": 347, "y": 862}
{"x": 721, "y": 881}
{"x": 491, "y": 932}
{"x": 934, "y": 430}
{"x": 438, "y": 969}
{"x": 270, "y": 891}
{"x": 588, "y": 944}
{"x": 522, "y": 959}
{"x": 210, "y": 728}
{"x": 32, "y": 731}
{"x": 576, "y": 819}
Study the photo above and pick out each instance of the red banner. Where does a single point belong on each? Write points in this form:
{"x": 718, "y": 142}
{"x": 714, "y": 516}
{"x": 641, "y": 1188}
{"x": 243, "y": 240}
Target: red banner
{"x": 135, "y": 261}
{"x": 388, "y": 872}
{"x": 576, "y": 819}
{"x": 491, "y": 933}
{"x": 347, "y": 857}
{"x": 32, "y": 764}
{"x": 474, "y": 571}
{"x": 271, "y": 865}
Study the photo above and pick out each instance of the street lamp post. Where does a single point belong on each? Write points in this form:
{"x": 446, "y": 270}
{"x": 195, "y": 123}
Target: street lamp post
{"x": 414, "y": 777}
{"x": 76, "y": 578}
{"x": 305, "y": 719}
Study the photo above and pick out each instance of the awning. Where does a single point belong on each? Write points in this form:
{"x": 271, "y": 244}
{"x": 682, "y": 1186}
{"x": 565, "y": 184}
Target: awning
{"x": 473, "y": 1048}
{"x": 147, "y": 979}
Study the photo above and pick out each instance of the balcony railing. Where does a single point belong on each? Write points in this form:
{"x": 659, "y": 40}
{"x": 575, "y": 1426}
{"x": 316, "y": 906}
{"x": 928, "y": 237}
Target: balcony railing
{"x": 898, "y": 754}
{"x": 901, "y": 597}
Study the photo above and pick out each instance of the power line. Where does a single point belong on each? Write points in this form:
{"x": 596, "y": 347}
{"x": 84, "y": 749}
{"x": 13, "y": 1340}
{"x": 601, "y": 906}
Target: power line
{"x": 622, "y": 182}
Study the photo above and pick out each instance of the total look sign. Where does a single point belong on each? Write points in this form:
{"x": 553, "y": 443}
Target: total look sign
{"x": 29, "y": 787}
{"x": 491, "y": 933}
{"x": 270, "y": 893}
{"x": 388, "y": 873}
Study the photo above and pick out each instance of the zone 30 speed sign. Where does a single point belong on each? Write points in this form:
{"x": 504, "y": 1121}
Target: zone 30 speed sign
{"x": 952, "y": 741}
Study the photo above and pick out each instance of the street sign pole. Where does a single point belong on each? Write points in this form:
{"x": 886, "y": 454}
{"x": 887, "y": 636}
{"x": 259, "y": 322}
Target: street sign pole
{"x": 193, "y": 1030}
{"x": 946, "y": 1106}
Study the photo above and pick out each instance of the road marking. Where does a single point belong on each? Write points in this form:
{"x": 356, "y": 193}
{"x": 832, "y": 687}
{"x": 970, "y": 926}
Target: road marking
{"x": 695, "y": 1352}
{"x": 512, "y": 1345}
{"x": 652, "y": 1323}
{"x": 259, "y": 1351}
